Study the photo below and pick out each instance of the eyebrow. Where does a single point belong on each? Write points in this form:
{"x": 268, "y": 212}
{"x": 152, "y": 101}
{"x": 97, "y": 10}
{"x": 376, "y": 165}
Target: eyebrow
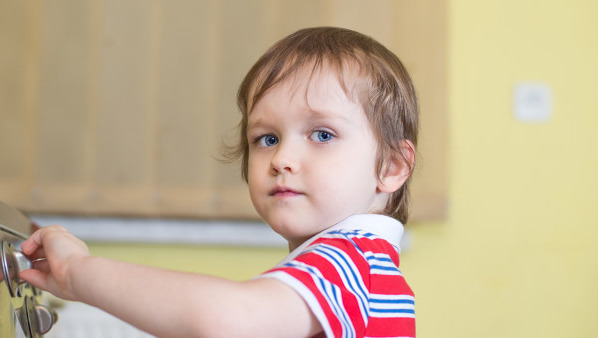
{"x": 323, "y": 114}
{"x": 326, "y": 115}
{"x": 252, "y": 124}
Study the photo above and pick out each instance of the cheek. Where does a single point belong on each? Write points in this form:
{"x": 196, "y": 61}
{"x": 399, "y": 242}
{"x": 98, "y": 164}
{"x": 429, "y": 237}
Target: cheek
{"x": 344, "y": 177}
{"x": 253, "y": 163}
{"x": 356, "y": 175}
{"x": 358, "y": 161}
{"x": 258, "y": 171}
{"x": 252, "y": 174}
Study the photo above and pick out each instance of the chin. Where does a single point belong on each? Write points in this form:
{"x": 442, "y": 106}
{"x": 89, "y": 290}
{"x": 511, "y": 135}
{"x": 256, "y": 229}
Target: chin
{"x": 290, "y": 231}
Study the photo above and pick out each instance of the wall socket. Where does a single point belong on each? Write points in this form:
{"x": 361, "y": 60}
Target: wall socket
{"x": 532, "y": 102}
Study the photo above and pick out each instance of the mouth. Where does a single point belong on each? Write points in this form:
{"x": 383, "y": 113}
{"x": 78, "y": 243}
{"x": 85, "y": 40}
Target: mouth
{"x": 281, "y": 191}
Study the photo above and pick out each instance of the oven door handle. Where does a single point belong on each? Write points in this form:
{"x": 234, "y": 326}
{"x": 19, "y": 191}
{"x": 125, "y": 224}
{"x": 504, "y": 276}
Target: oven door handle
{"x": 14, "y": 222}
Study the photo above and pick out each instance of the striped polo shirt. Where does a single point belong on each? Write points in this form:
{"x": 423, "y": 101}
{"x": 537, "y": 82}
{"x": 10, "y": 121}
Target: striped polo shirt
{"x": 349, "y": 277}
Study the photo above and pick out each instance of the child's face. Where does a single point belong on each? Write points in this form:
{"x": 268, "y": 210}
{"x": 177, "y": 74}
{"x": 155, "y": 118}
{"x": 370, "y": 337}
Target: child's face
{"x": 311, "y": 166}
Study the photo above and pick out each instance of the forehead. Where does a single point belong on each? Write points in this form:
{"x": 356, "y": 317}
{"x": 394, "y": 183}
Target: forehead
{"x": 342, "y": 80}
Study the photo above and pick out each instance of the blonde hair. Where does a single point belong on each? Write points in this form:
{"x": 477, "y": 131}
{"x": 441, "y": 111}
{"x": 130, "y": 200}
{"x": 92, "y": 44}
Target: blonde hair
{"x": 388, "y": 99}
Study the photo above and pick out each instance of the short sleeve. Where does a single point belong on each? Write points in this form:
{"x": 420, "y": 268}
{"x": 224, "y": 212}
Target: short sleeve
{"x": 332, "y": 276}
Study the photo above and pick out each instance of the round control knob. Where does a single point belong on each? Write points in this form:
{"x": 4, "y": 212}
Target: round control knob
{"x": 13, "y": 262}
{"x": 40, "y": 318}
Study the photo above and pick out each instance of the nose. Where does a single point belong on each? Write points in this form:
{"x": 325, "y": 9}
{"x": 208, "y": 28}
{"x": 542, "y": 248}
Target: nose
{"x": 285, "y": 159}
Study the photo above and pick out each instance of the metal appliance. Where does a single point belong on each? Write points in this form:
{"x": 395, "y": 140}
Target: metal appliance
{"x": 21, "y": 314}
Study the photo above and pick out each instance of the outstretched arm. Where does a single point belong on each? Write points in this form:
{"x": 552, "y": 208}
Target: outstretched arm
{"x": 164, "y": 302}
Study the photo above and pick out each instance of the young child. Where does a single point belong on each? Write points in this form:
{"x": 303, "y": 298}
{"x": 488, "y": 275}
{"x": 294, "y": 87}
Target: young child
{"x": 328, "y": 130}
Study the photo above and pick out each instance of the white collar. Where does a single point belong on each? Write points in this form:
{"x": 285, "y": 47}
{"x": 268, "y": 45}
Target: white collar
{"x": 382, "y": 226}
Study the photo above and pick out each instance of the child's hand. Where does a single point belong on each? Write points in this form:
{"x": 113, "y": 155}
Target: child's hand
{"x": 54, "y": 252}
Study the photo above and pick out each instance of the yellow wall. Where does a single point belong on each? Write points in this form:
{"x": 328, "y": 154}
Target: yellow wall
{"x": 516, "y": 256}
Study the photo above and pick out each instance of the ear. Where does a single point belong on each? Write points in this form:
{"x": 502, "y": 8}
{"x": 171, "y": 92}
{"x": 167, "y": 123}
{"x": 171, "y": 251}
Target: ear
{"x": 397, "y": 169}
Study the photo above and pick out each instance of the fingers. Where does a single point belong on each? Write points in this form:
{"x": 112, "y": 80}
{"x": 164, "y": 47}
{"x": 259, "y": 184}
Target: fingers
{"x": 39, "y": 253}
{"x": 41, "y": 265}
{"x": 32, "y": 245}
{"x": 36, "y": 277}
{"x": 29, "y": 245}
{"x": 49, "y": 246}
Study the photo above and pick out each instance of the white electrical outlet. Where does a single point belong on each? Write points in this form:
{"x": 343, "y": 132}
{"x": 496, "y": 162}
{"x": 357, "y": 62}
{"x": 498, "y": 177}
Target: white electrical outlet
{"x": 532, "y": 102}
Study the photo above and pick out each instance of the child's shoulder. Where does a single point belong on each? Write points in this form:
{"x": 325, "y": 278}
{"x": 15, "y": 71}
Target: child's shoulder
{"x": 358, "y": 248}
{"x": 368, "y": 234}
{"x": 364, "y": 240}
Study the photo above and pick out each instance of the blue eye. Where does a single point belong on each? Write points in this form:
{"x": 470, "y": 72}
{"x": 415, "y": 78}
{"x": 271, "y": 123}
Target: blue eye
{"x": 268, "y": 140}
{"x": 321, "y": 136}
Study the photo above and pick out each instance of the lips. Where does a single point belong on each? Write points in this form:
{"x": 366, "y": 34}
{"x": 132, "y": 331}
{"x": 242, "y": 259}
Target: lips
{"x": 281, "y": 191}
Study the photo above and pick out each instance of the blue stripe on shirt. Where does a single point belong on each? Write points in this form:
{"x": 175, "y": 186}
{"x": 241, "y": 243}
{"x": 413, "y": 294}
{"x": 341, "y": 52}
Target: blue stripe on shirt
{"x": 353, "y": 281}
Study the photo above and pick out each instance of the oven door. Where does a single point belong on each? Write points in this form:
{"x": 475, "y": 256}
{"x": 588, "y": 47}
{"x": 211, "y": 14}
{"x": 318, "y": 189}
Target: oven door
{"x": 21, "y": 315}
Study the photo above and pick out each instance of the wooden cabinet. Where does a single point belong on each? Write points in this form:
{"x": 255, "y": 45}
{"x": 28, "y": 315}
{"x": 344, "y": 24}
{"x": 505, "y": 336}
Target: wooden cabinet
{"x": 120, "y": 107}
